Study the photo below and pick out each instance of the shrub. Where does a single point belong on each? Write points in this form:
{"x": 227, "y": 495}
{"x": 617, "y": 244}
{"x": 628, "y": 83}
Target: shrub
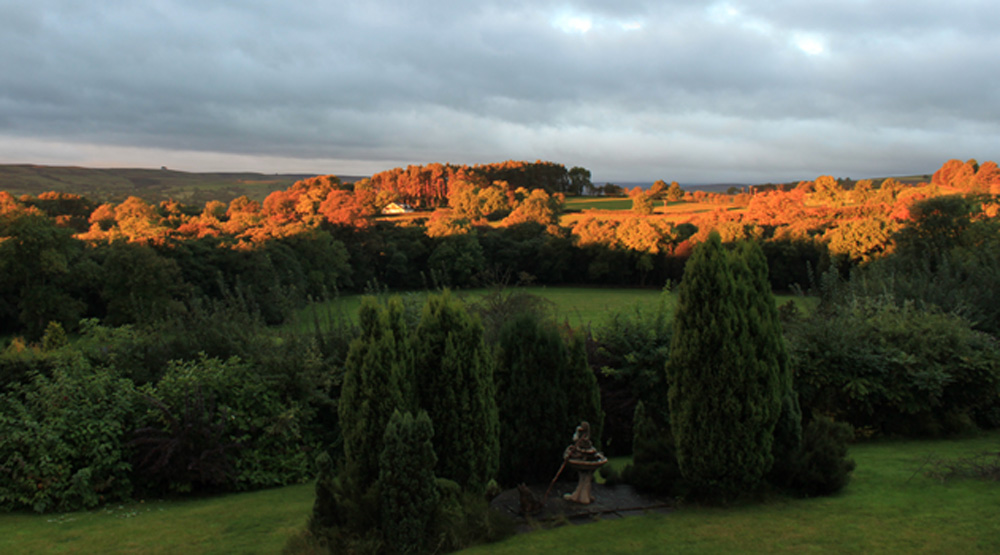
{"x": 631, "y": 348}
{"x": 376, "y": 373}
{"x": 64, "y": 438}
{"x": 274, "y": 449}
{"x": 191, "y": 447}
{"x": 545, "y": 389}
{"x": 654, "y": 461}
{"x": 895, "y": 369}
{"x": 823, "y": 467}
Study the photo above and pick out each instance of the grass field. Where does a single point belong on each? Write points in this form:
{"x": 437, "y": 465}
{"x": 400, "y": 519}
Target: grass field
{"x": 579, "y": 306}
{"x": 890, "y": 506}
{"x": 578, "y": 208}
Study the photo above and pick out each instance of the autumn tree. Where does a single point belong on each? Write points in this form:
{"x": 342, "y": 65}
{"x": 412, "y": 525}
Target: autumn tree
{"x": 537, "y": 206}
{"x": 642, "y": 202}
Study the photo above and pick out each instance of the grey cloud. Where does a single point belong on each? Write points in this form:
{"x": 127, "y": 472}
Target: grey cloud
{"x": 701, "y": 92}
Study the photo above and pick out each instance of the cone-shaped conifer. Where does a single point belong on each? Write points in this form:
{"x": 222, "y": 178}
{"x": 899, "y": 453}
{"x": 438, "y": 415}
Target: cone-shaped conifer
{"x": 375, "y": 385}
{"x": 406, "y": 482}
{"x": 725, "y": 388}
{"x": 453, "y": 380}
{"x": 533, "y": 403}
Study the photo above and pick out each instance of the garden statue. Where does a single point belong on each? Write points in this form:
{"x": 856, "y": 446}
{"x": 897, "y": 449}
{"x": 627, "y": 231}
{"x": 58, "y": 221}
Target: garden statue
{"x": 585, "y": 459}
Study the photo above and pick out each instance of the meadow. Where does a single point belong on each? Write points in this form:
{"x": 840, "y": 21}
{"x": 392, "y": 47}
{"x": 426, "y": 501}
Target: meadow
{"x": 890, "y": 506}
{"x": 576, "y": 306}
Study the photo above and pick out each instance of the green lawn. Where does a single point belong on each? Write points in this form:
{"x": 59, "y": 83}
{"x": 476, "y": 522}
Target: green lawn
{"x": 256, "y": 522}
{"x": 889, "y": 507}
{"x": 579, "y": 306}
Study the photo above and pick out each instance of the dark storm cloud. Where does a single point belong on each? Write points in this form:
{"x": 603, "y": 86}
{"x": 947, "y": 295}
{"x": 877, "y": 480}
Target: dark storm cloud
{"x": 632, "y": 90}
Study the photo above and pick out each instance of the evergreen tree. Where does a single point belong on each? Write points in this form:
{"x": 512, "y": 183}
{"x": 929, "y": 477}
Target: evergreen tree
{"x": 725, "y": 387}
{"x": 376, "y": 383}
{"x": 406, "y": 482}
{"x": 533, "y": 404}
{"x": 582, "y": 391}
{"x": 544, "y": 390}
{"x": 453, "y": 380}
{"x": 770, "y": 345}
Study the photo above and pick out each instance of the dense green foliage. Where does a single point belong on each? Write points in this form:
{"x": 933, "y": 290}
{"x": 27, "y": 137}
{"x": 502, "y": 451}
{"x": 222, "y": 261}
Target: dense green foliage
{"x": 890, "y": 369}
{"x": 948, "y": 257}
{"x": 631, "y": 348}
{"x": 545, "y": 388}
{"x": 376, "y": 384}
{"x": 407, "y": 485}
{"x": 821, "y": 466}
{"x": 724, "y": 373}
{"x": 63, "y": 438}
{"x": 453, "y": 379}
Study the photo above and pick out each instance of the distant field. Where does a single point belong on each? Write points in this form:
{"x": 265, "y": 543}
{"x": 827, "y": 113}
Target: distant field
{"x": 598, "y": 203}
{"x": 579, "y": 306}
{"x": 618, "y": 209}
{"x": 149, "y": 184}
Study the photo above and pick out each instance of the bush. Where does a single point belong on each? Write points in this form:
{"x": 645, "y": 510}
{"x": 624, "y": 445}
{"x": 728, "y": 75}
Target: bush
{"x": 545, "y": 389}
{"x": 823, "y": 467}
{"x": 453, "y": 378}
{"x": 64, "y": 439}
{"x": 895, "y": 369}
{"x": 631, "y": 348}
{"x": 654, "y": 461}
{"x": 269, "y": 429}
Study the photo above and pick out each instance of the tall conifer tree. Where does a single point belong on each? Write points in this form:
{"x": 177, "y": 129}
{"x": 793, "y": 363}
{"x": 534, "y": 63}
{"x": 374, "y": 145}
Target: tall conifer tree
{"x": 725, "y": 388}
{"x": 408, "y": 491}
{"x": 453, "y": 381}
{"x": 376, "y": 383}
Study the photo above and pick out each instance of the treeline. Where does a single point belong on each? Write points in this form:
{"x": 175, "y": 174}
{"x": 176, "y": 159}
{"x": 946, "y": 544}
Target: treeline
{"x": 64, "y": 257}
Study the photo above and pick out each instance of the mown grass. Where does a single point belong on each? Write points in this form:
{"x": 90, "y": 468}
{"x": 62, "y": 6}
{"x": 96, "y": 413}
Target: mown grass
{"x": 578, "y": 306}
{"x": 890, "y": 506}
{"x": 256, "y": 522}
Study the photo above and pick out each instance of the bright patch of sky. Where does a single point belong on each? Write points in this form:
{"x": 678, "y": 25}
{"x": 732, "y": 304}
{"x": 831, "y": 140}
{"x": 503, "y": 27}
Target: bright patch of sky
{"x": 728, "y": 14}
{"x": 582, "y": 23}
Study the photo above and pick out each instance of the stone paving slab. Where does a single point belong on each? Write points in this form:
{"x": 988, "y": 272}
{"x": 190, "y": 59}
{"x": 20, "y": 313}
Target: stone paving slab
{"x": 612, "y": 502}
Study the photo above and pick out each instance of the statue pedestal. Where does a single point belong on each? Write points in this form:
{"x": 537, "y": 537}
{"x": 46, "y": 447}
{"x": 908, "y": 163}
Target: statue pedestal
{"x": 582, "y": 494}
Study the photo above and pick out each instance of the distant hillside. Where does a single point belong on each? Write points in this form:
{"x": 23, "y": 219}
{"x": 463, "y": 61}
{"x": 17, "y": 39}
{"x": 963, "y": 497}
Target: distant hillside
{"x": 116, "y": 184}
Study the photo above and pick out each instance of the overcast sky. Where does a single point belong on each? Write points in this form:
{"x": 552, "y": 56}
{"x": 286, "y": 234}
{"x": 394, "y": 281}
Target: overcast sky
{"x": 634, "y": 91}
